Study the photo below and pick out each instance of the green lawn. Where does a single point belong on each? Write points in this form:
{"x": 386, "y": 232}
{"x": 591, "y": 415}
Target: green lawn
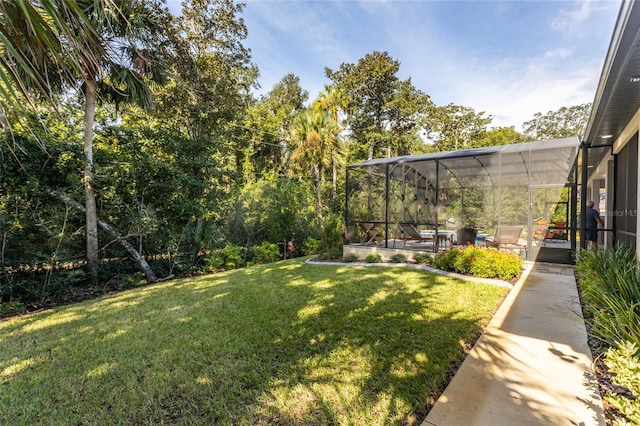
{"x": 284, "y": 343}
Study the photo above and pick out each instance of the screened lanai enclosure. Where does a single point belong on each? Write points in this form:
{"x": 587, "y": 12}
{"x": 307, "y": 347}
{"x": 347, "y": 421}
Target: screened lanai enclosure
{"x": 519, "y": 197}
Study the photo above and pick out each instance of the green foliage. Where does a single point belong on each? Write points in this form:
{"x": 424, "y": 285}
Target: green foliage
{"x": 480, "y": 262}
{"x": 11, "y": 308}
{"x": 373, "y": 258}
{"x": 502, "y": 136}
{"x": 466, "y": 259}
{"x": 455, "y": 127}
{"x": 272, "y": 209}
{"x": 269, "y": 123}
{"x": 423, "y": 258}
{"x": 610, "y": 283}
{"x": 399, "y": 258}
{"x": 385, "y": 111}
{"x": 311, "y": 246}
{"x": 333, "y": 236}
{"x": 563, "y": 123}
{"x": 445, "y": 260}
{"x": 136, "y": 279}
{"x": 625, "y": 364}
{"x": 230, "y": 257}
{"x": 350, "y": 257}
{"x": 266, "y": 252}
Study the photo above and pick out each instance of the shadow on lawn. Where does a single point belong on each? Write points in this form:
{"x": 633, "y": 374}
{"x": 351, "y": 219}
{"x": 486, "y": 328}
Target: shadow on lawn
{"x": 285, "y": 343}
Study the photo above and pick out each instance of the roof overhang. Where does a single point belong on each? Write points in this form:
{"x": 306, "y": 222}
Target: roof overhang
{"x": 618, "y": 95}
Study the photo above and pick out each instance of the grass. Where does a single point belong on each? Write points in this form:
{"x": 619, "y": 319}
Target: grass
{"x": 283, "y": 343}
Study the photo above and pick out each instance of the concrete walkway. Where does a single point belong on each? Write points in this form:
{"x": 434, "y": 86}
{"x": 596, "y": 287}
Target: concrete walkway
{"x": 532, "y": 366}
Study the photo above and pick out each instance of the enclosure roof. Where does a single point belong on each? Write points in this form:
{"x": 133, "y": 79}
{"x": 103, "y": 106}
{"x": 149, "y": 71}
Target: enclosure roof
{"x": 475, "y": 152}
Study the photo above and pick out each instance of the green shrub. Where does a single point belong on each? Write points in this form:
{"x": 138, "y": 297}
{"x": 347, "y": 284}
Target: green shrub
{"x": 465, "y": 259}
{"x": 11, "y": 308}
{"x": 493, "y": 263}
{"x": 333, "y": 236}
{"x": 136, "y": 279}
{"x": 508, "y": 265}
{"x": 373, "y": 258}
{"x": 230, "y": 257}
{"x": 445, "y": 260}
{"x": 625, "y": 365}
{"x": 480, "y": 262}
{"x": 266, "y": 252}
{"x": 610, "y": 283}
{"x": 311, "y": 246}
{"x": 399, "y": 258}
{"x": 423, "y": 258}
{"x": 351, "y": 257}
{"x": 214, "y": 260}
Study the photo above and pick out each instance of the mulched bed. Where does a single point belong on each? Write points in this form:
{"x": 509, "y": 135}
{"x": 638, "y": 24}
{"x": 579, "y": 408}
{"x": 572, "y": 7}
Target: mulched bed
{"x": 605, "y": 382}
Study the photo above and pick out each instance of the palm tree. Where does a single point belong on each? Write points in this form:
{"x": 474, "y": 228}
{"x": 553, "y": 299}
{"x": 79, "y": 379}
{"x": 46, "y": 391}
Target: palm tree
{"x": 333, "y": 101}
{"x": 103, "y": 44}
{"x": 315, "y": 137}
{"x": 117, "y": 76}
{"x": 41, "y": 45}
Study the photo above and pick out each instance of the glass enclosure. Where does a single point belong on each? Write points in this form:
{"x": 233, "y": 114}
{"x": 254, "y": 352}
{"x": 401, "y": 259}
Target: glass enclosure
{"x": 469, "y": 197}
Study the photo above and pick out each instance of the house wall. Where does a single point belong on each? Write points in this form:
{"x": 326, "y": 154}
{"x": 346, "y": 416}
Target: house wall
{"x": 630, "y": 134}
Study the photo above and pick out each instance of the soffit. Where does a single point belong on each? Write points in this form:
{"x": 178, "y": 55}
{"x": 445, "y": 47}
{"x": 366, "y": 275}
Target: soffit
{"x": 618, "y": 95}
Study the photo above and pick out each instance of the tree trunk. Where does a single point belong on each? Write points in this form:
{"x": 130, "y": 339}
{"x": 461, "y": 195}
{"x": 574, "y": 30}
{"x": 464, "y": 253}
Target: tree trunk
{"x": 142, "y": 263}
{"x": 144, "y": 266}
{"x": 335, "y": 184}
{"x": 316, "y": 177}
{"x": 91, "y": 214}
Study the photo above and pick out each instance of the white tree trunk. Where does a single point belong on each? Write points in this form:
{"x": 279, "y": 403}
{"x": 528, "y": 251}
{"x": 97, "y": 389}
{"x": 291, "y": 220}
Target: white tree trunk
{"x": 91, "y": 214}
{"x": 142, "y": 263}
{"x": 318, "y": 181}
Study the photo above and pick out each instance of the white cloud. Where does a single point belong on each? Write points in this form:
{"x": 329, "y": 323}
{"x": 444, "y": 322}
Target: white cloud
{"x": 558, "y": 53}
{"x": 514, "y": 98}
{"x": 573, "y": 19}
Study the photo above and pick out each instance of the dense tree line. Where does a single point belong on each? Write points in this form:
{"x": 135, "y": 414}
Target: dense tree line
{"x": 133, "y": 134}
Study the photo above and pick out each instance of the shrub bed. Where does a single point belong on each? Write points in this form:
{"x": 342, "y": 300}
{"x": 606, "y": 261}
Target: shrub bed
{"x": 609, "y": 281}
{"x": 610, "y": 284}
{"x": 480, "y": 262}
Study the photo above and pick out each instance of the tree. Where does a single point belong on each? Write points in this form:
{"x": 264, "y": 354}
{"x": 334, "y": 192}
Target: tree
{"x": 502, "y": 136}
{"x": 383, "y": 112}
{"x": 268, "y": 123}
{"x": 332, "y": 101}
{"x": 454, "y": 127}
{"x": 204, "y": 105}
{"x": 126, "y": 53}
{"x": 562, "y": 123}
{"x": 43, "y": 44}
{"x": 315, "y": 137}
{"x": 110, "y": 59}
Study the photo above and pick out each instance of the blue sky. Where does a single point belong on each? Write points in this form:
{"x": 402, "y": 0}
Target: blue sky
{"x": 510, "y": 59}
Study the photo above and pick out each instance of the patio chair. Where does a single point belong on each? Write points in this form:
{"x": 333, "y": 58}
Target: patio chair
{"x": 371, "y": 235}
{"x": 505, "y": 237}
{"x": 409, "y": 233}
